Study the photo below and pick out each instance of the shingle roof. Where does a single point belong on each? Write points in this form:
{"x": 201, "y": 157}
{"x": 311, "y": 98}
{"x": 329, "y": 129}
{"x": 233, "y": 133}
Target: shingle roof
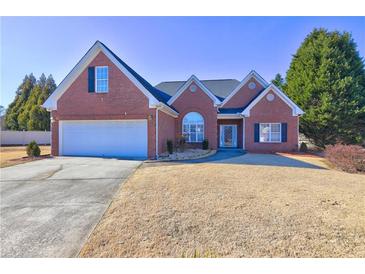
{"x": 221, "y": 88}
{"x": 239, "y": 110}
{"x": 158, "y": 94}
{"x": 257, "y": 95}
{"x": 230, "y": 110}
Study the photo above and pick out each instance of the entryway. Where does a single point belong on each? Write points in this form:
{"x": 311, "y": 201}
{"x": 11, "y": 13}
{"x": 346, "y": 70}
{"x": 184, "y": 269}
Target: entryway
{"x": 228, "y": 136}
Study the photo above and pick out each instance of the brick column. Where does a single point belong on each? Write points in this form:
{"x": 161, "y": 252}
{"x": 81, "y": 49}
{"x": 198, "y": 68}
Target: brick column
{"x": 54, "y": 135}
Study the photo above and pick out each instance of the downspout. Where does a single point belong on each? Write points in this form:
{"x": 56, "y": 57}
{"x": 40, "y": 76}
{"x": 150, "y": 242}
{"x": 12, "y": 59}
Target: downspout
{"x": 243, "y": 133}
{"x": 156, "y": 132}
{"x": 298, "y": 131}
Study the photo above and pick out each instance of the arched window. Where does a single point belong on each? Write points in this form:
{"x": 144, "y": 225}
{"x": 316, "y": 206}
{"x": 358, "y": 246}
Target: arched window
{"x": 193, "y": 127}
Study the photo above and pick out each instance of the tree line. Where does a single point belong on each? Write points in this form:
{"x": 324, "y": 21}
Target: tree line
{"x": 26, "y": 112}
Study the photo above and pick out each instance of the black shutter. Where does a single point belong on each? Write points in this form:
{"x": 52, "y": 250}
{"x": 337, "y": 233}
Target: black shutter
{"x": 284, "y": 132}
{"x": 257, "y": 133}
{"x": 91, "y": 79}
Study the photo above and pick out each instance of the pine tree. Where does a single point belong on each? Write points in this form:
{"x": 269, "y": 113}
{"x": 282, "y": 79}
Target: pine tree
{"x": 16, "y": 108}
{"x": 278, "y": 81}
{"x": 25, "y": 112}
{"x": 326, "y": 78}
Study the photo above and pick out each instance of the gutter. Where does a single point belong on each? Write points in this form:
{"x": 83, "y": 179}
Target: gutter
{"x": 157, "y": 133}
{"x": 168, "y": 110}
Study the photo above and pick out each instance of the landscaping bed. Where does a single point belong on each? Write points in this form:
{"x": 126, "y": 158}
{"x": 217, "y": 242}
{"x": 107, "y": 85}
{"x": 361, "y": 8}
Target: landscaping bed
{"x": 187, "y": 154}
{"x": 13, "y": 155}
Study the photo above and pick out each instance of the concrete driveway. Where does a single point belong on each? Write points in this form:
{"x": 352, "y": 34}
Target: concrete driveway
{"x": 49, "y": 207}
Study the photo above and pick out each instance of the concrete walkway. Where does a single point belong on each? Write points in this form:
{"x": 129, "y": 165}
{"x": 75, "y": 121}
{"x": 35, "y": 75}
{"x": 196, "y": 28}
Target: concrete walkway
{"x": 49, "y": 207}
{"x": 241, "y": 157}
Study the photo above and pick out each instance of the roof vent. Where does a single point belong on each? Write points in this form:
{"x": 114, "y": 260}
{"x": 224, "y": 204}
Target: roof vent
{"x": 270, "y": 97}
{"x": 193, "y": 88}
{"x": 251, "y": 85}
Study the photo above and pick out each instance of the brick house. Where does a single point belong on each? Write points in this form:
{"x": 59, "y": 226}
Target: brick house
{"x": 104, "y": 108}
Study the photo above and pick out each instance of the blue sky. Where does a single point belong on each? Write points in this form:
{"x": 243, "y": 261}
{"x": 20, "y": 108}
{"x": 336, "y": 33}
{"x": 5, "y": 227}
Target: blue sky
{"x": 160, "y": 48}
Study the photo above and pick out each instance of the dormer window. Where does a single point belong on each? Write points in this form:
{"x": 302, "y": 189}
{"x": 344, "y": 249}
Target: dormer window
{"x": 101, "y": 79}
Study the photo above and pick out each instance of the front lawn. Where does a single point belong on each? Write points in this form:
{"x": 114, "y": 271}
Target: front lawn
{"x": 233, "y": 210}
{"x": 14, "y": 155}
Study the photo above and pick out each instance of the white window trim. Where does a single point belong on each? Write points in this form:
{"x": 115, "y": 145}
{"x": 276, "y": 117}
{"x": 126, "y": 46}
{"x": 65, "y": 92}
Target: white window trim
{"x": 270, "y": 124}
{"x": 196, "y": 124}
{"x": 96, "y": 80}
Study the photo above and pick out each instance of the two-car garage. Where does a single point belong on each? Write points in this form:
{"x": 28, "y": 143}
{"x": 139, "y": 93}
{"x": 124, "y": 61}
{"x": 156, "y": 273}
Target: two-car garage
{"x": 103, "y": 138}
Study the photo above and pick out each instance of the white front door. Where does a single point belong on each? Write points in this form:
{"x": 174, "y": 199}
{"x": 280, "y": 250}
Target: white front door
{"x": 105, "y": 138}
{"x": 228, "y": 136}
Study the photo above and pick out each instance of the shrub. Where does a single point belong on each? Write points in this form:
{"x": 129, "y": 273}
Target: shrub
{"x": 303, "y": 147}
{"x": 349, "y": 158}
{"x": 205, "y": 144}
{"x": 170, "y": 146}
{"x": 33, "y": 149}
{"x": 180, "y": 143}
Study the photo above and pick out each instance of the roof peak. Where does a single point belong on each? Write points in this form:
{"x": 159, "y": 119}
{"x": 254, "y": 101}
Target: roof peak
{"x": 177, "y": 81}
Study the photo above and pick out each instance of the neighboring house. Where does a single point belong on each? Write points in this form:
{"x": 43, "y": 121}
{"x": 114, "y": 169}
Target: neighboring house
{"x": 104, "y": 108}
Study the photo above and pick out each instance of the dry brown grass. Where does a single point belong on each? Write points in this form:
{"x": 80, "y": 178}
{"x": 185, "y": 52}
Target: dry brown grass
{"x": 308, "y": 158}
{"x": 228, "y": 210}
{"x": 14, "y": 155}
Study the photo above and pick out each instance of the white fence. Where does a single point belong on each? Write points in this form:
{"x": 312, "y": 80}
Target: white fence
{"x": 10, "y": 137}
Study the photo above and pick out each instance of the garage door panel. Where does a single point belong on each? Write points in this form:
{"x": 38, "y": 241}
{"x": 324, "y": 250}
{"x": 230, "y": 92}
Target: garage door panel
{"x": 125, "y": 138}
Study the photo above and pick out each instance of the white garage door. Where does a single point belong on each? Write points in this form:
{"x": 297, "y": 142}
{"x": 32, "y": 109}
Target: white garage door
{"x": 124, "y": 138}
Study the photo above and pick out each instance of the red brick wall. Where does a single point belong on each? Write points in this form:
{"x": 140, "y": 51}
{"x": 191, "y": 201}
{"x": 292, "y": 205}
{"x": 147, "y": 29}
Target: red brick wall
{"x": 200, "y": 102}
{"x": 244, "y": 95}
{"x": 276, "y": 111}
{"x": 238, "y": 123}
{"x": 166, "y": 130}
{"x": 123, "y": 101}
{"x": 54, "y": 134}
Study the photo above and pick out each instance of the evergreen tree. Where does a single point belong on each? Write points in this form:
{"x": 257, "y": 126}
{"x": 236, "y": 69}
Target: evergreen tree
{"x": 17, "y": 106}
{"x": 278, "y": 81}
{"x": 326, "y": 78}
{"x": 25, "y": 112}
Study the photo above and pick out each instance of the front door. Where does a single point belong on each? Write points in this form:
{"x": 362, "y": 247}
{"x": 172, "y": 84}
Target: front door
{"x": 228, "y": 136}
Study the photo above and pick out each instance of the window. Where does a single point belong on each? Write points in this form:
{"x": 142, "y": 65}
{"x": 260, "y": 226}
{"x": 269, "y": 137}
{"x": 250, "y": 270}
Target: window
{"x": 193, "y": 127}
{"x": 270, "y": 132}
{"x": 101, "y": 79}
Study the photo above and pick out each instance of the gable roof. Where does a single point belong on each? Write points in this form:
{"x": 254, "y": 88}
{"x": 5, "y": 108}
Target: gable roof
{"x": 153, "y": 94}
{"x": 165, "y": 93}
{"x": 295, "y": 109}
{"x": 194, "y": 79}
{"x": 230, "y": 110}
{"x": 158, "y": 94}
{"x": 221, "y": 88}
{"x": 252, "y": 74}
